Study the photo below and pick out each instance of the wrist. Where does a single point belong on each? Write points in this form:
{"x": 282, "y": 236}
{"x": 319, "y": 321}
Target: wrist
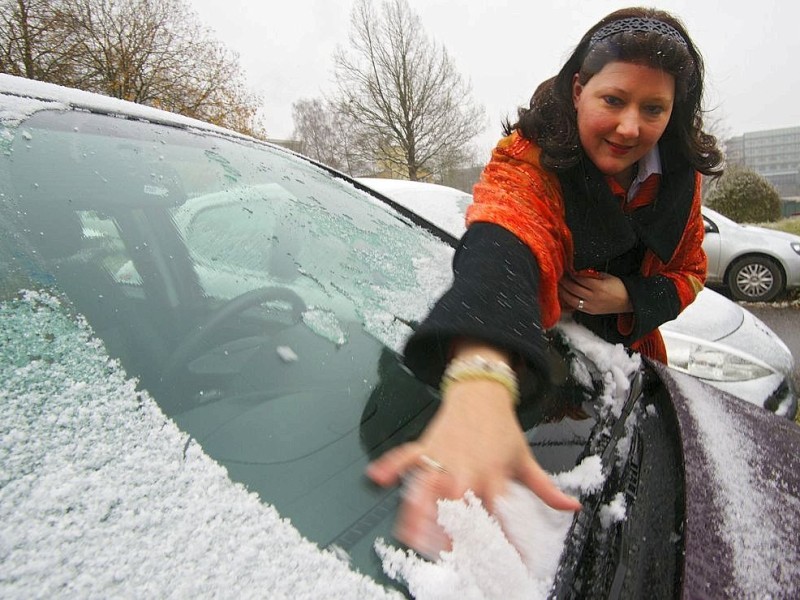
{"x": 478, "y": 368}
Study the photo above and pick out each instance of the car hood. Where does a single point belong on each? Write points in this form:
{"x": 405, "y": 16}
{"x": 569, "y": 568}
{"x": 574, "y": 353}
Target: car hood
{"x": 443, "y": 206}
{"x": 742, "y": 496}
{"x": 712, "y": 317}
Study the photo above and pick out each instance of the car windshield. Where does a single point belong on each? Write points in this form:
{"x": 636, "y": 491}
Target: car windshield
{"x": 259, "y": 298}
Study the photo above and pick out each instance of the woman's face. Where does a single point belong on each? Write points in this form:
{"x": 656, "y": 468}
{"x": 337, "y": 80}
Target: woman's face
{"x": 622, "y": 112}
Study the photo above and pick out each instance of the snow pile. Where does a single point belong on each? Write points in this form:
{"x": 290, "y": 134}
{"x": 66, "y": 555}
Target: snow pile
{"x": 102, "y": 496}
{"x": 587, "y": 476}
{"x": 614, "y": 511}
{"x": 465, "y": 572}
{"x": 513, "y": 554}
{"x": 482, "y": 564}
{"x": 613, "y": 361}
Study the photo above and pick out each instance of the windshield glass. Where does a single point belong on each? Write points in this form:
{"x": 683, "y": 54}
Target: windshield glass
{"x": 261, "y": 300}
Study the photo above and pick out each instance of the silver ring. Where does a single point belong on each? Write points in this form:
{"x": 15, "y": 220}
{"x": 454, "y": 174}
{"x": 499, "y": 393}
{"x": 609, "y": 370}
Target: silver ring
{"x": 580, "y": 304}
{"x": 431, "y": 463}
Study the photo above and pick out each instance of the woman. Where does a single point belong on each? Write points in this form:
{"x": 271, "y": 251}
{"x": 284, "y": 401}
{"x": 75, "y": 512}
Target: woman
{"x": 590, "y": 204}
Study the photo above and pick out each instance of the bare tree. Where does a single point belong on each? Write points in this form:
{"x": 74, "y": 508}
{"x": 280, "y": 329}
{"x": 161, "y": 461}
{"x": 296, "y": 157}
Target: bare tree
{"x": 31, "y": 42}
{"x": 402, "y": 92}
{"x": 326, "y": 135}
{"x": 18, "y": 35}
{"x": 153, "y": 52}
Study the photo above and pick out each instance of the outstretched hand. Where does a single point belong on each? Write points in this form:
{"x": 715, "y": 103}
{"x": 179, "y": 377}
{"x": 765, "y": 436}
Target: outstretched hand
{"x": 474, "y": 442}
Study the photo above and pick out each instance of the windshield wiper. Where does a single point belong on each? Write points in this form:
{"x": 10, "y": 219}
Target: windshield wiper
{"x": 608, "y": 433}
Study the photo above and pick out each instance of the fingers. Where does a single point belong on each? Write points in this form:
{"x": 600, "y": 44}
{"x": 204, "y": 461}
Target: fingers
{"x": 389, "y": 468}
{"x": 491, "y": 491}
{"x": 537, "y": 479}
{"x": 423, "y": 485}
{"x": 416, "y": 524}
{"x": 570, "y": 300}
{"x": 567, "y": 295}
{"x": 573, "y": 293}
{"x": 576, "y": 284}
{"x": 426, "y": 485}
{"x": 568, "y": 288}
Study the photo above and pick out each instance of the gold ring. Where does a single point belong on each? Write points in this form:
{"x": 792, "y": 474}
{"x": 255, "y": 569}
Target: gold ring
{"x": 580, "y": 304}
{"x": 431, "y": 463}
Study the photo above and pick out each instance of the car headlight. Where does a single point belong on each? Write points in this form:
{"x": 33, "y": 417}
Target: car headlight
{"x": 712, "y": 361}
{"x": 795, "y": 246}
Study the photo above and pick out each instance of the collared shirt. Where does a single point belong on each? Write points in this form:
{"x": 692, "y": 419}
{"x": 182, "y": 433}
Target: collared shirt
{"x": 644, "y": 186}
{"x": 649, "y": 164}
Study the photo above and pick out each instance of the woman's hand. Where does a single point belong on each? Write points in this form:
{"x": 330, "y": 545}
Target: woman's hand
{"x": 597, "y": 294}
{"x": 477, "y": 441}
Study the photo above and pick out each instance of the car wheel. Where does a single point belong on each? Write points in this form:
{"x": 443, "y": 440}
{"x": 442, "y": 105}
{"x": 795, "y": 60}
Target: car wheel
{"x": 755, "y": 279}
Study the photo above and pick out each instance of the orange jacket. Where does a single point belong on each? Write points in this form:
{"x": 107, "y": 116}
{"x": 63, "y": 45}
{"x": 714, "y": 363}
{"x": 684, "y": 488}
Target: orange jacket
{"x": 517, "y": 193}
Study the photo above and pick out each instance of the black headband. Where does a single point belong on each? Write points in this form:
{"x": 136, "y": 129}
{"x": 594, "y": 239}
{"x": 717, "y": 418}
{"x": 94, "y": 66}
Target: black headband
{"x": 637, "y": 25}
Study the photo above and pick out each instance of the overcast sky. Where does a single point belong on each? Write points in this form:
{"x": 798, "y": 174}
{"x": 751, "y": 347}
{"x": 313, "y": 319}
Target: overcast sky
{"x": 506, "y": 47}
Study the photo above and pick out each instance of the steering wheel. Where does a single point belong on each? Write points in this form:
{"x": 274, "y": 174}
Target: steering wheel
{"x": 194, "y": 342}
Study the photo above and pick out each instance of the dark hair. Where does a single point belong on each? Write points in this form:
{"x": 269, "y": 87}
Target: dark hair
{"x": 550, "y": 119}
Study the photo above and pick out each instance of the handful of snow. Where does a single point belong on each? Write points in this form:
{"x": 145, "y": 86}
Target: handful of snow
{"x": 511, "y": 554}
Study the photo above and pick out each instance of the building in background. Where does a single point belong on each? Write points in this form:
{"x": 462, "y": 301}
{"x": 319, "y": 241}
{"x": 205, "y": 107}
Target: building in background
{"x": 774, "y": 154}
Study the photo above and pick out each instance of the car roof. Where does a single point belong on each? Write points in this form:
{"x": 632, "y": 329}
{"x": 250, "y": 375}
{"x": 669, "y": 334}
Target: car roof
{"x": 70, "y": 98}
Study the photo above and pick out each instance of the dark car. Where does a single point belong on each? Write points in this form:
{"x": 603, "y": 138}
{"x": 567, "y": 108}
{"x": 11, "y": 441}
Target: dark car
{"x": 176, "y": 297}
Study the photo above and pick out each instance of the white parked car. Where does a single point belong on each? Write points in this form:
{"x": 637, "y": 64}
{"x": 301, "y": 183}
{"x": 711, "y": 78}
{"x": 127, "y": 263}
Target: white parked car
{"x": 755, "y": 263}
{"x": 714, "y": 339}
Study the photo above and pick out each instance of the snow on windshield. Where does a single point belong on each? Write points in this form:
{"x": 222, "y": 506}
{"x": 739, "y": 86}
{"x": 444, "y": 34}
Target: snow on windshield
{"x": 405, "y": 289}
{"x": 512, "y": 554}
{"x": 103, "y": 496}
{"x": 612, "y": 360}
{"x": 483, "y": 564}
